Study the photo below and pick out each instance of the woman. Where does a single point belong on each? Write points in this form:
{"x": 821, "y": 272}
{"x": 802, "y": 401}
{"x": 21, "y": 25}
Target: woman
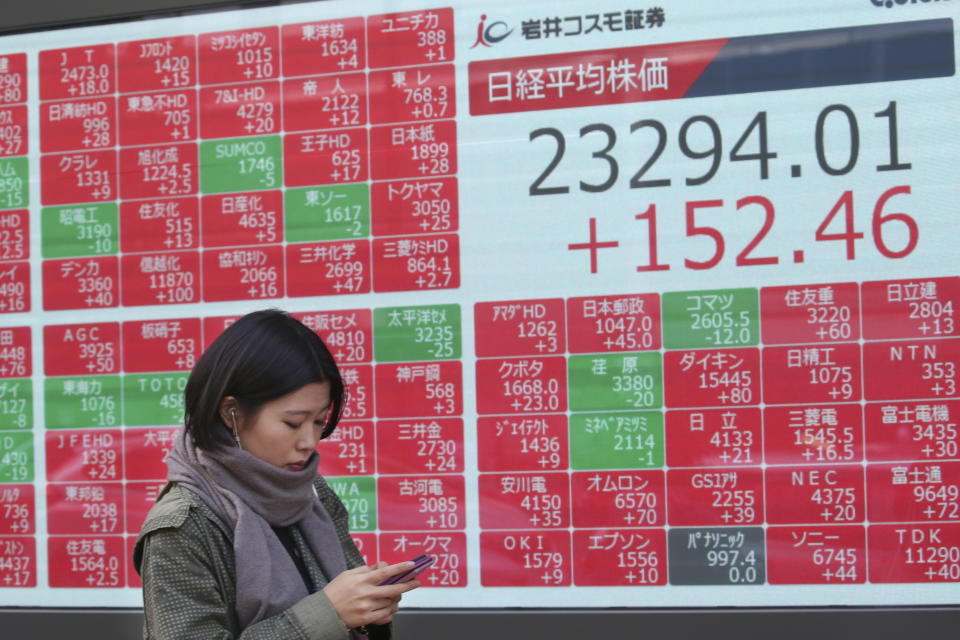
{"x": 246, "y": 540}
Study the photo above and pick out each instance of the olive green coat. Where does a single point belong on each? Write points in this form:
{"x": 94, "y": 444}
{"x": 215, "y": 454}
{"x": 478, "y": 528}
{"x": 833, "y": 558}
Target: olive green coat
{"x": 185, "y": 556}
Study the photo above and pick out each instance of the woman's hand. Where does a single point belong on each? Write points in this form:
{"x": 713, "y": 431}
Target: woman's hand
{"x": 359, "y": 601}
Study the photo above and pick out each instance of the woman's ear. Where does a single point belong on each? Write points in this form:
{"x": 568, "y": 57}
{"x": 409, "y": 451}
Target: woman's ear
{"x": 230, "y": 413}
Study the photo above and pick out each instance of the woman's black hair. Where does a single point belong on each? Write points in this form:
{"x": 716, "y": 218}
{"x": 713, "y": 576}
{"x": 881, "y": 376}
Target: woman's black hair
{"x": 260, "y": 357}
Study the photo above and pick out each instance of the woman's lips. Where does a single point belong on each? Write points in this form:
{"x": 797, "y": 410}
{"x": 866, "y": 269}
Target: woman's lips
{"x": 296, "y": 466}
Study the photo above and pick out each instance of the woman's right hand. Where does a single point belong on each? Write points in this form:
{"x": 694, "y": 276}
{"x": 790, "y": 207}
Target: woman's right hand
{"x": 359, "y": 601}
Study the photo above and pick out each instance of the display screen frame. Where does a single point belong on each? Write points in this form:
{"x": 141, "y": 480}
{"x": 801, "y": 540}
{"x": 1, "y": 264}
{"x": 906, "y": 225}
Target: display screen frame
{"x": 919, "y": 614}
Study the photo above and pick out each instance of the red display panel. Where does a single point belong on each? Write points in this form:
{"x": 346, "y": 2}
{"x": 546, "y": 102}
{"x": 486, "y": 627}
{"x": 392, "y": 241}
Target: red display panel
{"x": 18, "y": 561}
{"x": 87, "y": 508}
{"x": 158, "y": 118}
{"x": 325, "y": 158}
{"x": 243, "y": 274}
{"x": 13, "y": 78}
{"x": 913, "y": 492}
{"x": 811, "y": 373}
{"x": 240, "y": 110}
{"x": 78, "y": 124}
{"x": 918, "y": 308}
{"x": 328, "y": 46}
{"x": 410, "y": 38}
{"x": 14, "y": 287}
{"x": 239, "y": 56}
{"x": 139, "y": 498}
{"x": 412, "y": 94}
{"x": 325, "y": 102}
{"x": 420, "y": 503}
{"x": 420, "y": 446}
{"x": 16, "y": 352}
{"x": 521, "y": 385}
{"x": 89, "y": 176}
{"x": 912, "y": 430}
{"x": 614, "y": 323}
{"x": 413, "y": 150}
{"x": 358, "y": 387}
{"x": 522, "y": 443}
{"x": 926, "y": 369}
{"x": 811, "y": 434}
{"x": 348, "y": 334}
{"x": 158, "y": 172}
{"x": 817, "y": 555}
{"x": 145, "y": 452}
{"x": 328, "y": 268}
{"x": 714, "y": 497}
{"x": 367, "y": 546}
{"x": 349, "y": 450}
{"x": 77, "y": 72}
{"x": 17, "y": 512}
{"x": 242, "y": 219}
{"x": 714, "y": 437}
{"x": 448, "y": 548}
{"x": 14, "y": 236}
{"x": 159, "y": 225}
{"x": 13, "y": 129}
{"x": 525, "y": 559}
{"x": 619, "y": 498}
{"x": 410, "y": 264}
{"x": 524, "y": 501}
{"x": 81, "y": 349}
{"x": 620, "y": 557}
{"x": 493, "y": 89}
{"x": 913, "y": 552}
{"x": 160, "y": 278}
{"x": 158, "y": 64}
{"x": 80, "y": 283}
{"x": 214, "y": 326}
{"x": 86, "y": 561}
{"x": 519, "y": 327}
{"x": 84, "y": 456}
{"x": 713, "y": 377}
{"x": 815, "y": 495}
{"x": 415, "y": 389}
{"x": 161, "y": 345}
{"x": 408, "y": 207}
{"x": 810, "y": 313}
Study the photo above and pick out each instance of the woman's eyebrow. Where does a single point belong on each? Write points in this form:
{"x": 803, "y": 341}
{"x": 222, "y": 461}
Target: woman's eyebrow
{"x": 304, "y": 411}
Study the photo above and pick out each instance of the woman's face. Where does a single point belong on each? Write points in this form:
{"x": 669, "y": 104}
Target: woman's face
{"x": 286, "y": 430}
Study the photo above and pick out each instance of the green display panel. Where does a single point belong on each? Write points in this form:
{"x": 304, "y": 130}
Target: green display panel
{"x": 330, "y": 212}
{"x": 79, "y": 230}
{"x": 403, "y": 334}
{"x": 359, "y": 496}
{"x": 153, "y": 399}
{"x": 718, "y": 318}
{"x": 615, "y": 381}
{"x": 16, "y": 404}
{"x": 628, "y": 440}
{"x": 78, "y": 402}
{"x": 241, "y": 164}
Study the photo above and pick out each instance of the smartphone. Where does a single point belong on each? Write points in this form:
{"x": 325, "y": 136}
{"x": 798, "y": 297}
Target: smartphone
{"x": 419, "y": 564}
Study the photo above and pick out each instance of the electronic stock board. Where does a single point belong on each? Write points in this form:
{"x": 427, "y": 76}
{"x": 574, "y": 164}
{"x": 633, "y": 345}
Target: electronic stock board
{"x": 644, "y": 305}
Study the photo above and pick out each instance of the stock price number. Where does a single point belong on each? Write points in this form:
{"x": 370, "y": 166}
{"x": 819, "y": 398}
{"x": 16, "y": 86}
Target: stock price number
{"x": 895, "y": 234}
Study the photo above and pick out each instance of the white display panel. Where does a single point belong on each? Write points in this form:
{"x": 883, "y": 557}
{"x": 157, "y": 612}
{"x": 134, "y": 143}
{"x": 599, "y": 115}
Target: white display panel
{"x": 637, "y": 307}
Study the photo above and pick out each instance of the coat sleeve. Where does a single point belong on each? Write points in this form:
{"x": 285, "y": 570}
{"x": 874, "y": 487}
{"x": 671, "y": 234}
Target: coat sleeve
{"x": 184, "y": 600}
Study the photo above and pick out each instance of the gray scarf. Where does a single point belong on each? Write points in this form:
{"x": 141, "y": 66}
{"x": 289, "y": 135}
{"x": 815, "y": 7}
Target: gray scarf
{"x": 251, "y": 495}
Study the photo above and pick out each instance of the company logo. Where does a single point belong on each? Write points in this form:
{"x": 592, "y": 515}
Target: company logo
{"x": 887, "y": 4}
{"x": 489, "y": 35}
